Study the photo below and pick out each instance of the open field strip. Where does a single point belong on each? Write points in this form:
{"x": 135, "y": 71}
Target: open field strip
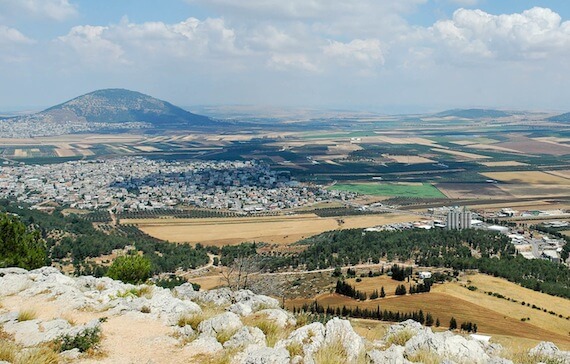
{"x": 493, "y": 147}
{"x": 563, "y": 173}
{"x": 528, "y": 177}
{"x": 461, "y": 154}
{"x": 390, "y": 189}
{"x": 270, "y": 229}
{"x": 409, "y": 159}
{"x": 503, "y": 164}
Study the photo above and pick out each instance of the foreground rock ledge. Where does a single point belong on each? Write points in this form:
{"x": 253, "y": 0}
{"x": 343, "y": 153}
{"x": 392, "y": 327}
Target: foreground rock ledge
{"x": 155, "y": 325}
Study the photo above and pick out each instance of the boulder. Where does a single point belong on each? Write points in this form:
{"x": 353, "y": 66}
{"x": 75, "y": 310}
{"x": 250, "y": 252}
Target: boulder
{"x": 246, "y": 336}
{"x": 228, "y": 321}
{"x": 184, "y": 291}
{"x": 394, "y": 355}
{"x": 218, "y": 297}
{"x": 447, "y": 345}
{"x": 311, "y": 337}
{"x": 34, "y": 332}
{"x": 280, "y": 317}
{"x": 203, "y": 345}
{"x": 263, "y": 355}
{"x": 12, "y": 283}
{"x": 341, "y": 331}
{"x": 550, "y": 350}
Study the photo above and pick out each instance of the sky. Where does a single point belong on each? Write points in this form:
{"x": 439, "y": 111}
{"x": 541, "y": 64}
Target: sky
{"x": 375, "y": 55}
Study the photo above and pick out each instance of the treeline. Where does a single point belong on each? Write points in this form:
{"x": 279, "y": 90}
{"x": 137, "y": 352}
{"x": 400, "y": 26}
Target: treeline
{"x": 72, "y": 238}
{"x": 346, "y": 289}
{"x": 432, "y": 248}
{"x": 365, "y": 313}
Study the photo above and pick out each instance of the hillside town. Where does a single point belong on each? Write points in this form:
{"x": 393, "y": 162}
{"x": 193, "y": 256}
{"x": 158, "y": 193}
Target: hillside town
{"x": 137, "y": 183}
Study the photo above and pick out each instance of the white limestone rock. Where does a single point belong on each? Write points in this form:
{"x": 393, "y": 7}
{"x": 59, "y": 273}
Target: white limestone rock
{"x": 447, "y": 345}
{"x": 280, "y": 317}
{"x": 227, "y": 322}
{"x": 394, "y": 355}
{"x": 550, "y": 350}
{"x": 311, "y": 337}
{"x": 338, "y": 330}
{"x": 263, "y": 355}
{"x": 246, "y": 336}
{"x": 203, "y": 345}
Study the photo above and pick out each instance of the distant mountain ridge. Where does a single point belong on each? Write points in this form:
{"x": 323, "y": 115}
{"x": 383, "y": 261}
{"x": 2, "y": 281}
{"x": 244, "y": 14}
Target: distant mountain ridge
{"x": 104, "y": 111}
{"x": 120, "y": 105}
{"x": 474, "y": 113}
{"x": 560, "y": 118}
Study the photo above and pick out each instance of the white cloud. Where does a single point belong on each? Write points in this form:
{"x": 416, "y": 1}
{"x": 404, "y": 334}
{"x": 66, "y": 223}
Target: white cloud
{"x": 91, "y": 45}
{"x": 53, "y": 9}
{"x": 13, "y": 36}
{"x": 367, "y": 51}
{"x": 533, "y": 34}
{"x": 292, "y": 61}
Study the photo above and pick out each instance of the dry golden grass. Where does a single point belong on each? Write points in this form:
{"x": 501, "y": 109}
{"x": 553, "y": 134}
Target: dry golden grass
{"x": 409, "y": 159}
{"x": 273, "y": 229}
{"x": 40, "y": 355}
{"x": 399, "y": 338}
{"x": 273, "y": 333}
{"x": 208, "y": 311}
{"x": 8, "y": 351}
{"x": 333, "y": 353}
{"x": 27, "y": 315}
{"x": 528, "y": 177}
{"x": 370, "y": 329}
{"x": 425, "y": 357}
{"x": 369, "y": 284}
{"x": 443, "y": 306}
{"x": 460, "y": 154}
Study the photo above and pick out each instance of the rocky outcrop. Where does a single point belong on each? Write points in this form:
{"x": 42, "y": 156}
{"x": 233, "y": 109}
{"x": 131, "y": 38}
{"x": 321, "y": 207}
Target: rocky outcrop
{"x": 223, "y": 322}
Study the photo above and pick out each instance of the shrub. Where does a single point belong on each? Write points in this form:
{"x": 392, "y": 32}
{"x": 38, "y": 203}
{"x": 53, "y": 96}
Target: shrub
{"x": 133, "y": 269}
{"x": 294, "y": 349}
{"x": 88, "y": 339}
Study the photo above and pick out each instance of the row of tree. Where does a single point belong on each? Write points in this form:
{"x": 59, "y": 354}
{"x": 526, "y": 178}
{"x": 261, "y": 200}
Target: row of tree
{"x": 374, "y": 314}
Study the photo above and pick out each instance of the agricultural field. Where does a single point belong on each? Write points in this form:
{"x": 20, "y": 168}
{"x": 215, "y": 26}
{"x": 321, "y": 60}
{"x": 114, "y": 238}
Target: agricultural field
{"x": 422, "y": 190}
{"x": 494, "y": 316}
{"x": 269, "y": 229}
{"x": 528, "y": 178}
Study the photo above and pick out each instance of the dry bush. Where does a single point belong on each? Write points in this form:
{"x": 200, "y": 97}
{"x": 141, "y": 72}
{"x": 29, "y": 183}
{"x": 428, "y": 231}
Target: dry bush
{"x": 40, "y": 355}
{"x": 273, "y": 333}
{"x": 333, "y": 353}
{"x": 195, "y": 319}
{"x": 8, "y": 351}
{"x": 425, "y": 357}
{"x": 27, "y": 315}
{"x": 294, "y": 349}
{"x": 399, "y": 338}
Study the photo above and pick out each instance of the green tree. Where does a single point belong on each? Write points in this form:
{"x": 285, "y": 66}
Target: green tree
{"x": 437, "y": 323}
{"x": 429, "y": 319}
{"x": 452, "y": 323}
{"x": 133, "y": 269}
{"x": 18, "y": 247}
{"x": 382, "y": 292}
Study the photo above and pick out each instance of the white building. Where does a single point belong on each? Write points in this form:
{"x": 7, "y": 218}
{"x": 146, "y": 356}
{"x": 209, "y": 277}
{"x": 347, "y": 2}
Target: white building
{"x": 458, "y": 219}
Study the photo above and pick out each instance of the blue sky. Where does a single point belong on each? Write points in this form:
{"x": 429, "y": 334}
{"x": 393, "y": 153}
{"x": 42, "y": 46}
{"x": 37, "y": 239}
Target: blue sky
{"x": 381, "y": 55}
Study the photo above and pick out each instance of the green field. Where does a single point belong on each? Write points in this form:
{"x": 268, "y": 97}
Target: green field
{"x": 391, "y": 189}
